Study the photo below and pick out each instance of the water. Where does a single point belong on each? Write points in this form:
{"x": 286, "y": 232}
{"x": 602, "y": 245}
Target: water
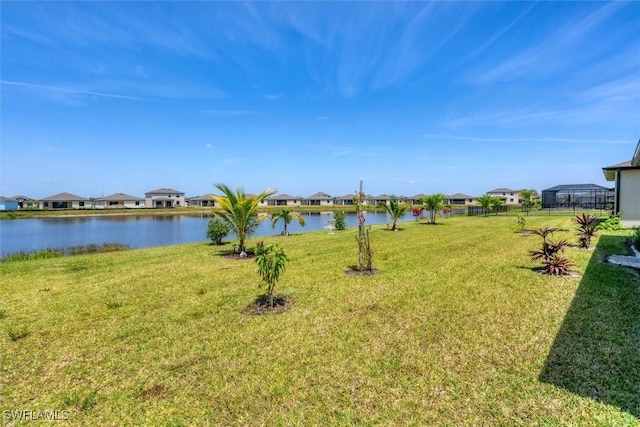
{"x": 141, "y": 231}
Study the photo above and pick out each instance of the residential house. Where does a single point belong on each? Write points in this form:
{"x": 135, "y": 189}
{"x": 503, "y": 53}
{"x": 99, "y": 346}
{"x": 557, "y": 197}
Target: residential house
{"x": 346, "y": 200}
{"x": 64, "y": 201}
{"x": 460, "y": 199}
{"x": 382, "y": 198}
{"x": 626, "y": 176}
{"x": 25, "y": 202}
{"x": 416, "y": 200}
{"x": 165, "y": 198}
{"x": 507, "y": 195}
{"x": 120, "y": 201}
{"x": 205, "y": 200}
{"x": 284, "y": 200}
{"x": 318, "y": 199}
{"x": 8, "y": 204}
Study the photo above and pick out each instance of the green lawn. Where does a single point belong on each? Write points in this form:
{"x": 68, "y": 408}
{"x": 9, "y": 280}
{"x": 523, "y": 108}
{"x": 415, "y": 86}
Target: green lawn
{"x": 457, "y": 329}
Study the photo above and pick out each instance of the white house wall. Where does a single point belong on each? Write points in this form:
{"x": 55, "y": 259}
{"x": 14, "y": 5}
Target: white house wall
{"x": 630, "y": 197}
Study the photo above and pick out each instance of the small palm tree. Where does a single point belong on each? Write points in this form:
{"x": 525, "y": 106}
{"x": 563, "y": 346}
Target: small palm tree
{"x": 286, "y": 215}
{"x": 396, "y": 210}
{"x": 433, "y": 203}
{"x": 485, "y": 201}
{"x": 271, "y": 260}
{"x": 496, "y": 203}
{"x": 528, "y": 197}
{"x": 240, "y": 212}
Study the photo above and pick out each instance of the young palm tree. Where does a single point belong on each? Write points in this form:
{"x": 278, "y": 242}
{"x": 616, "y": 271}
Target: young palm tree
{"x": 496, "y": 203}
{"x": 528, "y": 196}
{"x": 271, "y": 262}
{"x": 395, "y": 209}
{"x": 485, "y": 202}
{"x": 433, "y": 203}
{"x": 240, "y": 212}
{"x": 286, "y": 215}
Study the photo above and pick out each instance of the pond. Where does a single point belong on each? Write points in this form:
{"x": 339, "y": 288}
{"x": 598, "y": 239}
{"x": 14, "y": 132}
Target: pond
{"x": 140, "y": 231}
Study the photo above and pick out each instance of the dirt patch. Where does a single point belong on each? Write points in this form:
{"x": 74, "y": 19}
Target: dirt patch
{"x": 237, "y": 256}
{"x": 260, "y": 306}
{"x": 157, "y": 390}
{"x": 356, "y": 272}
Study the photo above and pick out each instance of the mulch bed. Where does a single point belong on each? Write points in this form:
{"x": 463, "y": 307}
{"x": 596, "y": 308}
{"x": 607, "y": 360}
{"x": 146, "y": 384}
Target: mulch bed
{"x": 260, "y": 306}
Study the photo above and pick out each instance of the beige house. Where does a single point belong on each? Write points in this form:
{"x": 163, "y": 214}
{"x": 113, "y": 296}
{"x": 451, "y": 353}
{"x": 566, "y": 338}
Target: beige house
{"x": 627, "y": 190}
{"x": 346, "y": 200}
{"x": 460, "y": 199}
{"x": 25, "y": 202}
{"x": 205, "y": 200}
{"x": 165, "y": 198}
{"x": 507, "y": 195}
{"x": 284, "y": 200}
{"x": 64, "y": 201}
{"x": 119, "y": 201}
{"x": 318, "y": 199}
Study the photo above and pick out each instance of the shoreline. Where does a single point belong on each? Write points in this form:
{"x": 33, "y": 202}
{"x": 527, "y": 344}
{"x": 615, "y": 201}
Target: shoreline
{"x": 70, "y": 213}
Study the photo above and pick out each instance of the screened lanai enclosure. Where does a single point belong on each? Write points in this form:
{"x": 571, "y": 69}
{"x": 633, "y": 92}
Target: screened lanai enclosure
{"x": 582, "y": 196}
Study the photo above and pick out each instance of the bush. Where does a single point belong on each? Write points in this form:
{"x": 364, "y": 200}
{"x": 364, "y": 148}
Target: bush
{"x": 636, "y": 237}
{"x": 217, "y": 230}
{"x": 339, "y": 221}
{"x": 612, "y": 223}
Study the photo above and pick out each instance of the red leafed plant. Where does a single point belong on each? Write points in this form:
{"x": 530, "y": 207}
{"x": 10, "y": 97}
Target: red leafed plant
{"x": 586, "y": 229}
{"x": 553, "y": 263}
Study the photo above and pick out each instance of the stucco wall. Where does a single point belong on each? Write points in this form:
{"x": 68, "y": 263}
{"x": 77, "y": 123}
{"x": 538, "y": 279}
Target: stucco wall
{"x": 630, "y": 197}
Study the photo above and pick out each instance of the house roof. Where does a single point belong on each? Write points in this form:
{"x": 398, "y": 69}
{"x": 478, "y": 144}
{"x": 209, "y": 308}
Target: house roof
{"x": 7, "y": 199}
{"x": 165, "y": 191}
{"x": 21, "y": 197}
{"x": 459, "y": 196}
{"x": 284, "y": 197}
{"x": 319, "y": 196}
{"x": 64, "y": 197}
{"x": 203, "y": 197}
{"x": 120, "y": 197}
{"x": 634, "y": 163}
{"x": 502, "y": 190}
{"x": 349, "y": 196}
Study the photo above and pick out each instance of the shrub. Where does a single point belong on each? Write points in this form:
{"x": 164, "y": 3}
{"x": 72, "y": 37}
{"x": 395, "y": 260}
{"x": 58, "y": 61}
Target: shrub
{"x": 217, "y": 230}
{"x": 521, "y": 222}
{"x": 586, "y": 229}
{"x": 339, "y": 219}
{"x": 636, "y": 237}
{"x": 553, "y": 263}
{"x": 611, "y": 223}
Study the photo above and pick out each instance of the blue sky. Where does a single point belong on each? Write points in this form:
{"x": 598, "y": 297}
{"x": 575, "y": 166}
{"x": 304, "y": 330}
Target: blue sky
{"x": 417, "y": 97}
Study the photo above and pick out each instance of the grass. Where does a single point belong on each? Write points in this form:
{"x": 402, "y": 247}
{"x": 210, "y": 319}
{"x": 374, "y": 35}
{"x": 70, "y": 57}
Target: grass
{"x": 456, "y": 329}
